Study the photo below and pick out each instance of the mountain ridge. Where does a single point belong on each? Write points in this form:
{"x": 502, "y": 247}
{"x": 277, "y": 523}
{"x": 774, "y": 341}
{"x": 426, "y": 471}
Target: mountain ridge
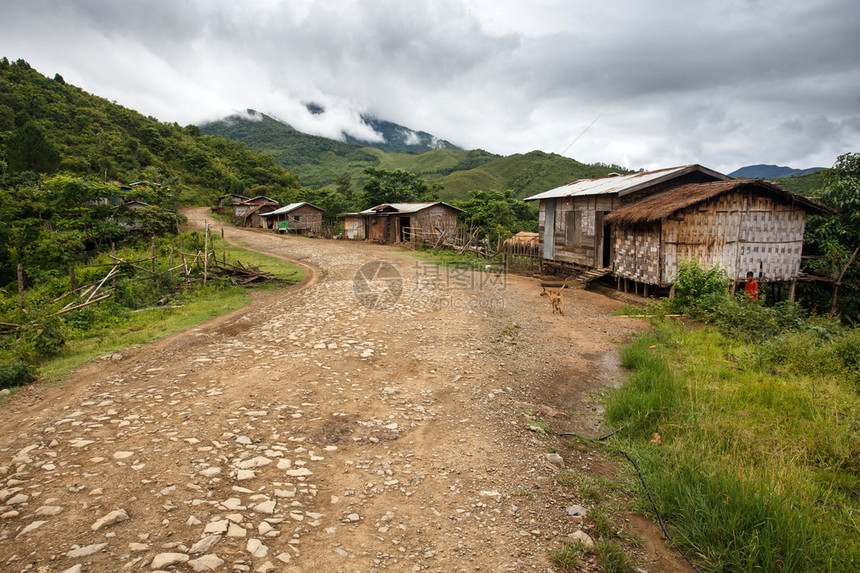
{"x": 766, "y": 171}
{"x": 320, "y": 161}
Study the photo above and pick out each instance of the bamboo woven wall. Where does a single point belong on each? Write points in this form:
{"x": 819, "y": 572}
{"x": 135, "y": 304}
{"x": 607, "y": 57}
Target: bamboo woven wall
{"x": 637, "y": 253}
{"x": 739, "y": 232}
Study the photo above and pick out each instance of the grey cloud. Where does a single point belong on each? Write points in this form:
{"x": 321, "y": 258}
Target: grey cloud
{"x": 724, "y": 84}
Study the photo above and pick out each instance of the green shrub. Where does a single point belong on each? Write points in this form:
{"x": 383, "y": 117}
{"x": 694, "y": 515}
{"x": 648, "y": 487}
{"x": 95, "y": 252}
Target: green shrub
{"x": 45, "y": 338}
{"x": 695, "y": 283}
{"x": 847, "y": 348}
{"x": 15, "y": 370}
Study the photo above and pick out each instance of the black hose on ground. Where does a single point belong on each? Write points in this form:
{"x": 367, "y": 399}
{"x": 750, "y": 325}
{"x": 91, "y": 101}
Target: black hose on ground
{"x": 641, "y": 479}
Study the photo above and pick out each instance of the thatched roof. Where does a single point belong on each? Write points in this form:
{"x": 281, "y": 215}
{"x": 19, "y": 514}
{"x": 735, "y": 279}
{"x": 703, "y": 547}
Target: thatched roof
{"x": 662, "y": 205}
{"x": 524, "y": 238}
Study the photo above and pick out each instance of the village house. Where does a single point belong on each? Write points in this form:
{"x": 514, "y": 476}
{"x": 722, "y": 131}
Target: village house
{"x": 242, "y": 208}
{"x": 254, "y": 216}
{"x": 640, "y": 226}
{"x": 571, "y": 226}
{"x": 402, "y": 222}
{"x": 248, "y": 212}
{"x": 300, "y": 218}
{"x": 740, "y": 225}
{"x": 225, "y": 203}
{"x": 135, "y": 205}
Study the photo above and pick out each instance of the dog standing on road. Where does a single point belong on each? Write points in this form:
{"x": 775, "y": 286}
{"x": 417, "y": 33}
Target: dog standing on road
{"x": 555, "y": 299}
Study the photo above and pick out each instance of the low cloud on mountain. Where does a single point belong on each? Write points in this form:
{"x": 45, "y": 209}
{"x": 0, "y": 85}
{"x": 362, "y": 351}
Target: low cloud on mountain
{"x": 725, "y": 84}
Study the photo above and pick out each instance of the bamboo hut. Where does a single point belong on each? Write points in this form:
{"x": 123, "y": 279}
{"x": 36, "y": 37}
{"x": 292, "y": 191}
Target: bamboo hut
{"x": 741, "y": 225}
{"x": 401, "y": 222}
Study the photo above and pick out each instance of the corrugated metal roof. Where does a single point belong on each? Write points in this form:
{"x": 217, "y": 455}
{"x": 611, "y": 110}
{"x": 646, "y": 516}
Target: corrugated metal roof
{"x": 288, "y": 208}
{"x": 618, "y": 183}
{"x": 404, "y": 207}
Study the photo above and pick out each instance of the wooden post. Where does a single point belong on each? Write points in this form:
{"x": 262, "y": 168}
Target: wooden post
{"x": 153, "y": 254}
{"x": 645, "y": 290}
{"x": 672, "y": 291}
{"x": 792, "y": 290}
{"x": 171, "y": 254}
{"x": 113, "y": 255}
{"x": 21, "y": 283}
{"x": 182, "y": 250}
{"x": 73, "y": 278}
{"x": 223, "y": 245}
{"x": 205, "y": 253}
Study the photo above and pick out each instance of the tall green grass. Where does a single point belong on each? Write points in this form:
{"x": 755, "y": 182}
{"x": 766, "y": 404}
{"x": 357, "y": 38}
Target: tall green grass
{"x": 760, "y": 444}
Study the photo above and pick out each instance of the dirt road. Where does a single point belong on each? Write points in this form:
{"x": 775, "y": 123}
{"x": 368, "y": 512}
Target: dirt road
{"x": 370, "y": 422}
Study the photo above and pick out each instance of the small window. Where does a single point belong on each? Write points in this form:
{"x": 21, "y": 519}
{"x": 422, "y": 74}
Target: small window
{"x": 296, "y": 218}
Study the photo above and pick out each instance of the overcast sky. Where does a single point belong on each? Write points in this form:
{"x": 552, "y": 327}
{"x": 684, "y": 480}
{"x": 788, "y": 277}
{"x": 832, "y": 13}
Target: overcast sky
{"x": 645, "y": 84}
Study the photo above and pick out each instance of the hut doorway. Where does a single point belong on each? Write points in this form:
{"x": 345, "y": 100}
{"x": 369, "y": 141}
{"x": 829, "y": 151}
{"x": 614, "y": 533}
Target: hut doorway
{"x": 607, "y": 247}
{"x": 549, "y": 230}
{"x": 404, "y": 230}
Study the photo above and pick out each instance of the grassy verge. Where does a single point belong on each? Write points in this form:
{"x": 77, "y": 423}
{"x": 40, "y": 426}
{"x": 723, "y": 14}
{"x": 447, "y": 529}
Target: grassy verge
{"x": 188, "y": 309}
{"x": 759, "y": 456}
{"x": 448, "y": 258}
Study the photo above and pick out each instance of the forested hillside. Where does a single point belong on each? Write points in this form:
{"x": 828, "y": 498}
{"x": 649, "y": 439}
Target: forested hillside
{"x": 523, "y": 174}
{"x": 319, "y": 161}
{"x": 47, "y": 126}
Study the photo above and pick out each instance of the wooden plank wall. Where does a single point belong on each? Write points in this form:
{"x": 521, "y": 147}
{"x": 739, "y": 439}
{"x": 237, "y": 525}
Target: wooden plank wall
{"x": 435, "y": 217}
{"x": 575, "y": 233}
{"x": 308, "y": 218}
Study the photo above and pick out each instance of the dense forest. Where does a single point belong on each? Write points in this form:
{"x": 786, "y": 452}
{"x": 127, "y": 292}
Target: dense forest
{"x": 48, "y": 126}
{"x": 85, "y": 182}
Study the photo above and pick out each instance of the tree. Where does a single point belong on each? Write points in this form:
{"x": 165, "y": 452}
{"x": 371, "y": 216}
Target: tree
{"x": 498, "y": 214}
{"x": 27, "y": 149}
{"x": 343, "y": 185}
{"x": 396, "y": 186}
{"x": 838, "y": 237}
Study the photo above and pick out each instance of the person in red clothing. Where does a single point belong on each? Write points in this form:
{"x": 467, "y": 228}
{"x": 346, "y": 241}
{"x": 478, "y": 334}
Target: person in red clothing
{"x": 751, "y": 288}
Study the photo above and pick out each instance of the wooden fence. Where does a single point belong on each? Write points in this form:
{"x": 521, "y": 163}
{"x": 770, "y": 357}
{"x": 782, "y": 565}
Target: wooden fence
{"x": 522, "y": 258}
{"x": 189, "y": 267}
